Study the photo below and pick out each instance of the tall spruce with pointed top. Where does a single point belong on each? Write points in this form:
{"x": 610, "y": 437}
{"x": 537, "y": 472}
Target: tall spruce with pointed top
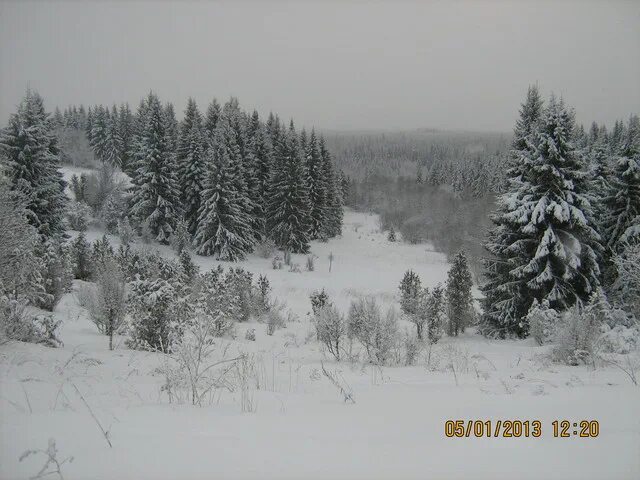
{"x": 155, "y": 199}
{"x": 557, "y": 248}
{"x": 458, "y": 291}
{"x": 29, "y": 150}
{"x": 288, "y": 200}
{"x": 318, "y": 189}
{"x": 211, "y": 119}
{"x": 224, "y": 226}
{"x": 623, "y": 199}
{"x": 504, "y": 302}
{"x": 334, "y": 197}
{"x": 190, "y": 164}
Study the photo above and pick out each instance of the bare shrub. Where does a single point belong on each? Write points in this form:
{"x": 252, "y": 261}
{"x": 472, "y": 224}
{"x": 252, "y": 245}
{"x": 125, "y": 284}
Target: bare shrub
{"x": 375, "y": 331}
{"x": 331, "y": 327}
{"x": 107, "y": 303}
{"x": 197, "y": 365}
{"x": 52, "y": 465}
{"x": 250, "y": 334}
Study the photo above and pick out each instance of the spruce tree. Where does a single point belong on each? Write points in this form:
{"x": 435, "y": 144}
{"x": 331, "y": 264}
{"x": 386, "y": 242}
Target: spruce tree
{"x": 224, "y": 226}
{"x": 318, "y": 189}
{"x": 334, "y": 197}
{"x": 555, "y": 246}
{"x": 623, "y": 200}
{"x": 155, "y": 190}
{"x": 288, "y": 202}
{"x": 458, "y": 291}
{"x": 505, "y": 300}
{"x": 211, "y": 119}
{"x": 190, "y": 159}
{"x": 29, "y": 148}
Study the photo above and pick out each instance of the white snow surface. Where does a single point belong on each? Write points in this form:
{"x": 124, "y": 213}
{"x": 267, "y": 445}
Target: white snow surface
{"x": 301, "y": 428}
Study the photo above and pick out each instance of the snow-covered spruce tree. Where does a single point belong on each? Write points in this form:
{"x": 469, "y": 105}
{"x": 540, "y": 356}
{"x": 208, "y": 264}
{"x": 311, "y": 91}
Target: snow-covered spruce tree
{"x": 246, "y": 166}
{"x": 550, "y": 244}
{"x": 317, "y": 185}
{"x": 458, "y": 291}
{"x": 99, "y": 130}
{"x": 224, "y": 226}
{"x": 157, "y": 315}
{"x": 623, "y": 200}
{"x": 288, "y": 199}
{"x": 505, "y": 301}
{"x": 112, "y": 144}
{"x": 57, "y": 272}
{"x": 155, "y": 188}
{"x": 28, "y": 149}
{"x": 125, "y": 130}
{"x": 333, "y": 225}
{"x": 20, "y": 266}
{"x": 436, "y": 313}
{"x": 81, "y": 257}
{"x": 211, "y": 119}
{"x": 410, "y": 291}
{"x": 190, "y": 159}
{"x": 261, "y": 151}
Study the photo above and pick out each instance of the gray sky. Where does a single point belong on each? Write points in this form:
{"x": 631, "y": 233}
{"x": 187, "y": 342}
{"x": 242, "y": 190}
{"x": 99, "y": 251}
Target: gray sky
{"x": 335, "y": 65}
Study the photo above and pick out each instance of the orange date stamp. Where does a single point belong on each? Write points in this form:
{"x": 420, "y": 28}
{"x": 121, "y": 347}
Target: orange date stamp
{"x": 519, "y": 428}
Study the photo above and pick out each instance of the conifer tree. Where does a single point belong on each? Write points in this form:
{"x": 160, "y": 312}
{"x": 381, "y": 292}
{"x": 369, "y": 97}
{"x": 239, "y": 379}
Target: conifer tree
{"x": 155, "y": 191}
{"x": 211, "y": 119}
{"x": 318, "y": 189}
{"x": 504, "y": 302}
{"x": 190, "y": 160}
{"x": 224, "y": 226}
{"x": 334, "y": 197}
{"x": 458, "y": 291}
{"x": 552, "y": 247}
{"x": 29, "y": 147}
{"x": 288, "y": 202}
{"x": 623, "y": 200}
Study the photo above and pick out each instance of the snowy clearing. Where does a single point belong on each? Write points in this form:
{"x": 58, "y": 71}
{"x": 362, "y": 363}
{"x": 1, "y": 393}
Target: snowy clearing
{"x": 300, "y": 427}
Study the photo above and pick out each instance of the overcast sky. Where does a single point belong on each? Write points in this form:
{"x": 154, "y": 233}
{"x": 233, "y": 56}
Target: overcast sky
{"x": 335, "y": 65}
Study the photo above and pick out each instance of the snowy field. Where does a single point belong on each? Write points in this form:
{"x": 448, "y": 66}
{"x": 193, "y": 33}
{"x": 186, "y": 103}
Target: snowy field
{"x": 299, "y": 426}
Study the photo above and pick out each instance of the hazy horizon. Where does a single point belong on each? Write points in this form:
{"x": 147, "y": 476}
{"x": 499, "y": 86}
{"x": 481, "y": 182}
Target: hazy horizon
{"x": 338, "y": 66}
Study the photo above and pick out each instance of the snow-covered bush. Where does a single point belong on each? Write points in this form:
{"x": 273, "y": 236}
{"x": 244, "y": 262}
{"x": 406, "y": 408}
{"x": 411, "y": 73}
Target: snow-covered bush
{"x": 157, "y": 315}
{"x": 17, "y": 323}
{"x": 319, "y": 300}
{"x": 266, "y": 248}
{"x": 575, "y": 336}
{"x": 542, "y": 321}
{"x": 275, "y": 319}
{"x": 107, "y": 304}
{"x": 392, "y": 234}
{"x": 375, "y": 331}
{"x": 331, "y": 327}
{"x": 276, "y": 263}
{"x": 125, "y": 231}
{"x": 619, "y": 339}
{"x": 250, "y": 334}
{"x": 100, "y": 185}
{"x": 78, "y": 216}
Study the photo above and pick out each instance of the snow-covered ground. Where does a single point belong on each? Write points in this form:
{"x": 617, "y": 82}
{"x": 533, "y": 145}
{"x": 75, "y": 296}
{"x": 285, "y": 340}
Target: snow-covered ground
{"x": 300, "y": 426}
